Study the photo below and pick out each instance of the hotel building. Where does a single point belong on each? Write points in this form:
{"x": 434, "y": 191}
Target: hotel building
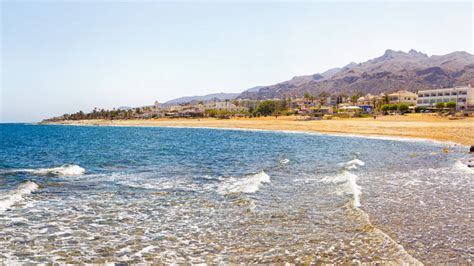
{"x": 462, "y": 96}
{"x": 403, "y": 96}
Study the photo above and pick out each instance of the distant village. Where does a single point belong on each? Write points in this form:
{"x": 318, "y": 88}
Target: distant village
{"x": 447, "y": 100}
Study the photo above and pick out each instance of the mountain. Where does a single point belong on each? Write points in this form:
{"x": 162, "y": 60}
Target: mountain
{"x": 210, "y": 97}
{"x": 250, "y": 93}
{"x": 394, "y": 70}
{"x": 204, "y": 98}
{"x": 254, "y": 89}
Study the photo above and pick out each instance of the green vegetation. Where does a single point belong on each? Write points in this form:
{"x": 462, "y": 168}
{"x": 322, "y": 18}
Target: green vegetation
{"x": 451, "y": 105}
{"x": 103, "y": 114}
{"x": 222, "y": 114}
{"x": 265, "y": 108}
{"x": 271, "y": 107}
{"x": 402, "y": 108}
{"x": 440, "y": 106}
{"x": 308, "y": 96}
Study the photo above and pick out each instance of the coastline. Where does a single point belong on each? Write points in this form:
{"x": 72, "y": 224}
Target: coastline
{"x": 410, "y": 127}
{"x": 285, "y": 121}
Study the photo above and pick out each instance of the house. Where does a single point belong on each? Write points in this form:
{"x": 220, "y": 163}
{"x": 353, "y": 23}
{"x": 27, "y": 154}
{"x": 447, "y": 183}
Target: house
{"x": 351, "y": 109}
{"x": 368, "y": 99}
{"x": 402, "y": 96}
{"x": 225, "y": 105}
{"x": 462, "y": 96}
{"x": 332, "y": 101}
{"x": 367, "y": 108}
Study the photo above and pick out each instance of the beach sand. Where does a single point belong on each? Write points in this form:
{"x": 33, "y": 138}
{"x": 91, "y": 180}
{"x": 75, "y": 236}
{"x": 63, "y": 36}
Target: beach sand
{"x": 423, "y": 126}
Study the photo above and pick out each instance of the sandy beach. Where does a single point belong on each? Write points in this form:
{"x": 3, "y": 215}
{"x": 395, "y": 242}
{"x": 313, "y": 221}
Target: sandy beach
{"x": 423, "y": 126}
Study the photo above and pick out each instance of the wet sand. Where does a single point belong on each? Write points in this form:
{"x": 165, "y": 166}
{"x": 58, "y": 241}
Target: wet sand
{"x": 423, "y": 126}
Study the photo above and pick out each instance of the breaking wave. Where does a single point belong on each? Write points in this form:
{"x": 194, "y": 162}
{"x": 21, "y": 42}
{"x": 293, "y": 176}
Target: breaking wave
{"x": 348, "y": 185}
{"x": 64, "y": 170}
{"x": 347, "y": 181}
{"x": 352, "y": 164}
{"x": 464, "y": 167}
{"x": 11, "y": 197}
{"x": 248, "y": 184}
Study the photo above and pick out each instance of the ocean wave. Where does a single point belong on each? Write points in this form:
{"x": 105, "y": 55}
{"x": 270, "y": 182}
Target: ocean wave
{"x": 284, "y": 161}
{"x": 349, "y": 186}
{"x": 352, "y": 164}
{"x": 64, "y": 170}
{"x": 11, "y": 197}
{"x": 463, "y": 167}
{"x": 249, "y": 184}
{"x": 355, "y": 162}
{"x": 347, "y": 181}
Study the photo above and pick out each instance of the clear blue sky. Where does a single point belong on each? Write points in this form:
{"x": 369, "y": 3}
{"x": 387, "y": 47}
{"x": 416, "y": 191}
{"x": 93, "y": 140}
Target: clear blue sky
{"x": 60, "y": 57}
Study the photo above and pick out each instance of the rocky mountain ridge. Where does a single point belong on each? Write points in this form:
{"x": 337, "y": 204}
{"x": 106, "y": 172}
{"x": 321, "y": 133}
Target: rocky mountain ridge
{"x": 394, "y": 70}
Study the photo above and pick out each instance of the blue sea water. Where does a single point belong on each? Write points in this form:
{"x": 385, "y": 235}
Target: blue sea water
{"x": 88, "y": 194}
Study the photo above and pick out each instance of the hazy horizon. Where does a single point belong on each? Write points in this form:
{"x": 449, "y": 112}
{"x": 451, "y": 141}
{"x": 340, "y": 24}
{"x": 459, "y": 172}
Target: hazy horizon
{"x": 59, "y": 57}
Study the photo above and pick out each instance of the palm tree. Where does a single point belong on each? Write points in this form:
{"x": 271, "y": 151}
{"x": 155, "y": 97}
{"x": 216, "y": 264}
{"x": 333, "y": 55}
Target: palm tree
{"x": 308, "y": 96}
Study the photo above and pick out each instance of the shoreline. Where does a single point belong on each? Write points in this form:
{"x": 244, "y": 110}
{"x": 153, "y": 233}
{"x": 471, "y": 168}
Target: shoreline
{"x": 415, "y": 127}
{"x": 315, "y": 133}
{"x": 407, "y": 257}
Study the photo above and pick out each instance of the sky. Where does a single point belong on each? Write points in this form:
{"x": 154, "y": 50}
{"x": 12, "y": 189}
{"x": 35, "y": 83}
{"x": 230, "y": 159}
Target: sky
{"x": 64, "y": 56}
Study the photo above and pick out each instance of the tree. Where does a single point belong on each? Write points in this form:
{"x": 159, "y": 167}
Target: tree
{"x": 283, "y": 104}
{"x": 322, "y": 102}
{"x": 308, "y": 96}
{"x": 440, "y": 106}
{"x": 451, "y": 105}
{"x": 323, "y": 94}
{"x": 265, "y": 108}
{"x": 385, "y": 108}
{"x": 403, "y": 108}
{"x": 392, "y": 107}
{"x": 356, "y": 97}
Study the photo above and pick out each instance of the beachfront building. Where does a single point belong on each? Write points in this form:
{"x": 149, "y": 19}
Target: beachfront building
{"x": 403, "y": 96}
{"x": 368, "y": 99}
{"x": 462, "y": 96}
{"x": 331, "y": 101}
{"x": 351, "y": 110}
{"x": 225, "y": 105}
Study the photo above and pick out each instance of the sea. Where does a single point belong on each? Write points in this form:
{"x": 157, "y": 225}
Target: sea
{"x": 97, "y": 194}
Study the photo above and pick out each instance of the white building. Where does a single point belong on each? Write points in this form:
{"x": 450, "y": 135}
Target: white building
{"x": 462, "y": 96}
{"x": 224, "y": 105}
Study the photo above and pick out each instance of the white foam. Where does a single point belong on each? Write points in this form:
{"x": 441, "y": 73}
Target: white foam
{"x": 64, "y": 170}
{"x": 355, "y": 189}
{"x": 464, "y": 167}
{"x": 144, "y": 250}
{"x": 352, "y": 164}
{"x": 348, "y": 185}
{"x": 11, "y": 197}
{"x": 284, "y": 161}
{"x": 248, "y": 184}
{"x": 355, "y": 162}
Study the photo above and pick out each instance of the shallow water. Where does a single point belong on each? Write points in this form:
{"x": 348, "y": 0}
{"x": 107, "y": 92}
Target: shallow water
{"x": 130, "y": 194}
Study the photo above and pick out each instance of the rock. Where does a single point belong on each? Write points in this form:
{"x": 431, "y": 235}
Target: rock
{"x": 471, "y": 150}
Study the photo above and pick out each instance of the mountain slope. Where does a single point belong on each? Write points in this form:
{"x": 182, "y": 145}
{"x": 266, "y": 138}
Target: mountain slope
{"x": 392, "y": 71}
{"x": 208, "y": 97}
